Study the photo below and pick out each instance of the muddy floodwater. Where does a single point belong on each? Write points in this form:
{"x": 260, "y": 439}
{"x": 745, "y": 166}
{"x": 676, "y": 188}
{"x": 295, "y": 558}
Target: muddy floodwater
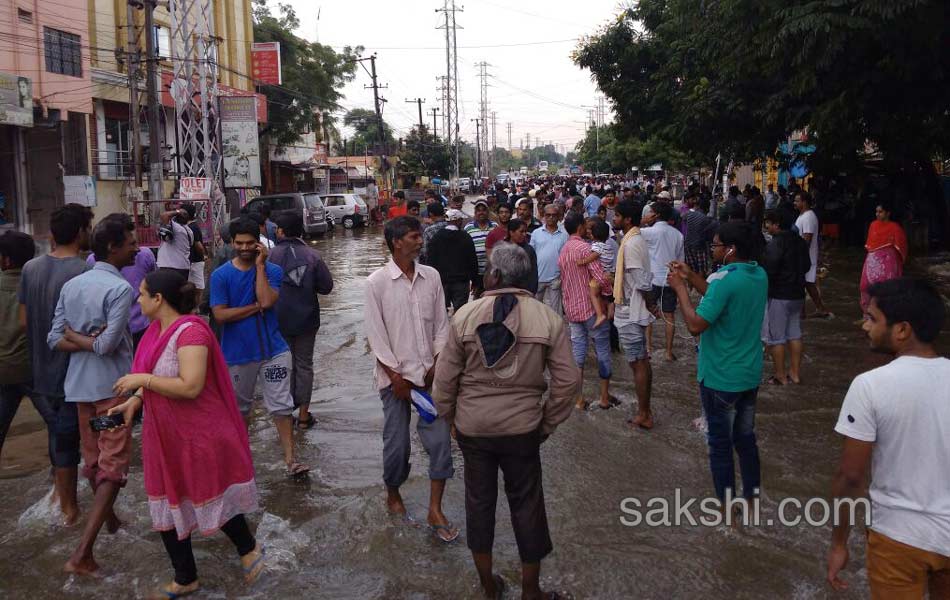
{"x": 330, "y": 537}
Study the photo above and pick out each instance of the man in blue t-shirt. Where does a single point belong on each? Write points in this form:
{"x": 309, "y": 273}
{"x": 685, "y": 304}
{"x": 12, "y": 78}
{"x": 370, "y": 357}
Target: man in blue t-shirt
{"x": 729, "y": 369}
{"x": 244, "y": 291}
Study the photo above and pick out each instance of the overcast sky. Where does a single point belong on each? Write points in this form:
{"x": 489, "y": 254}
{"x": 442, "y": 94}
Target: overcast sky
{"x": 534, "y": 85}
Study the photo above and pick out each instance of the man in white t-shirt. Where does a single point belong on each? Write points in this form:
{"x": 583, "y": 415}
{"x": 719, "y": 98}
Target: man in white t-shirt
{"x": 665, "y": 243}
{"x": 174, "y": 253}
{"x": 808, "y": 228}
{"x": 896, "y": 423}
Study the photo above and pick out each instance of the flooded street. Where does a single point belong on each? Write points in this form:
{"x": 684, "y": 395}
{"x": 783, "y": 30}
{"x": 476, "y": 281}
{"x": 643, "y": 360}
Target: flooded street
{"x": 332, "y": 538}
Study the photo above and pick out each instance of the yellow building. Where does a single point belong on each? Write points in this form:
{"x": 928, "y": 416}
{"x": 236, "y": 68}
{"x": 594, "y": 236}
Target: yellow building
{"x": 111, "y": 137}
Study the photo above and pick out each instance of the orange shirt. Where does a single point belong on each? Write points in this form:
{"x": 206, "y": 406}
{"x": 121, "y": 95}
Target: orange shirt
{"x": 398, "y": 210}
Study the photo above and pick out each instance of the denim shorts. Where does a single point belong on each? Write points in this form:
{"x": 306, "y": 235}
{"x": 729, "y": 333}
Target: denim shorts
{"x": 581, "y": 334}
{"x": 633, "y": 342}
{"x": 782, "y": 322}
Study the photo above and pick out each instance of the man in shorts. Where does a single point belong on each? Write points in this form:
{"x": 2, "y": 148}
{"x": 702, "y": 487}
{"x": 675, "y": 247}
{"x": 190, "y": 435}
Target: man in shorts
{"x": 244, "y": 291}
{"x": 786, "y": 261}
{"x": 633, "y": 284}
{"x": 666, "y": 245}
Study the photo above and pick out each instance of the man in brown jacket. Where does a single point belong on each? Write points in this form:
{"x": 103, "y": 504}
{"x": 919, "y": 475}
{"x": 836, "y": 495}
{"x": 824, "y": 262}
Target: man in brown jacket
{"x": 489, "y": 382}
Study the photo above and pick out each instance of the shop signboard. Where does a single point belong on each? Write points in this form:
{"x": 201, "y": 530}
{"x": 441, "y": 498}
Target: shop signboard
{"x": 239, "y": 142}
{"x": 16, "y": 100}
{"x": 265, "y": 62}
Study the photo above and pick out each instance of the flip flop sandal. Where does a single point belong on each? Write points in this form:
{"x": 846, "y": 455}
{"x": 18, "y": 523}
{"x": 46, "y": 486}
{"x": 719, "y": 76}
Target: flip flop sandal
{"x": 305, "y": 425}
{"x": 253, "y": 571}
{"x": 297, "y": 470}
{"x": 166, "y": 594}
{"x": 448, "y": 528}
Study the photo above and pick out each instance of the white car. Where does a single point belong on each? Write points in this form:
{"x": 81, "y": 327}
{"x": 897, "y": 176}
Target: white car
{"x": 350, "y": 210}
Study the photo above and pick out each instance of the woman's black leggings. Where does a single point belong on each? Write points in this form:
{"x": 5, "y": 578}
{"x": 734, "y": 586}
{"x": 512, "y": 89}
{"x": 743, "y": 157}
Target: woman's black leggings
{"x": 183, "y": 559}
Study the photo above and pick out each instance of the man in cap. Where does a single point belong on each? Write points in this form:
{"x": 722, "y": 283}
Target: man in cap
{"x": 451, "y": 252}
{"x": 479, "y": 229}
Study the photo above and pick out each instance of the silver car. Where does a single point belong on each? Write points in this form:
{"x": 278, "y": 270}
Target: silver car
{"x": 350, "y": 210}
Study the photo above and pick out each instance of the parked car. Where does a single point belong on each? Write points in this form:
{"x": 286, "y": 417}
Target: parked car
{"x": 465, "y": 185}
{"x": 307, "y": 204}
{"x": 348, "y": 209}
{"x": 502, "y": 177}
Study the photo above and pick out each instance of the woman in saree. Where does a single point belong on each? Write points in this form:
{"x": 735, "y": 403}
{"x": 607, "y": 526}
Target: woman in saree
{"x": 887, "y": 252}
{"x": 195, "y": 453}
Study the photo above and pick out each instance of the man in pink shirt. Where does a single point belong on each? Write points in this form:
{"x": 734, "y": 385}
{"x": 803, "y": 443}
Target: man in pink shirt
{"x": 575, "y": 285}
{"x": 406, "y": 327}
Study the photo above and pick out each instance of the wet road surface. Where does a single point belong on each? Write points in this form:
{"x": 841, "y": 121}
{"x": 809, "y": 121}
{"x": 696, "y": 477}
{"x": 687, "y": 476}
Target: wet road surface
{"x": 332, "y": 538}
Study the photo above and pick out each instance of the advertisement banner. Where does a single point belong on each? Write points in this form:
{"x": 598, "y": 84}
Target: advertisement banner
{"x": 16, "y": 100}
{"x": 239, "y": 144}
{"x": 265, "y": 62}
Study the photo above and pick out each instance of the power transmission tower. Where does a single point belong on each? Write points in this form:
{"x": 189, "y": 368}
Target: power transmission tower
{"x": 509, "y": 136}
{"x": 435, "y": 132}
{"x": 418, "y": 101}
{"x": 483, "y": 107}
{"x": 442, "y": 100}
{"x": 478, "y": 147}
{"x": 451, "y": 80}
{"x": 494, "y": 144}
{"x": 195, "y": 91}
{"x": 527, "y": 141}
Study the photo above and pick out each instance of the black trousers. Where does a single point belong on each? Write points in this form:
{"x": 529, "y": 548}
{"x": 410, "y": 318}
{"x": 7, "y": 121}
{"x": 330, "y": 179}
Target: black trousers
{"x": 519, "y": 458}
{"x": 456, "y": 294}
{"x": 183, "y": 559}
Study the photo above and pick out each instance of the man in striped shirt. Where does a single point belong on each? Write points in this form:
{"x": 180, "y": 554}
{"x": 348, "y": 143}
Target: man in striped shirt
{"x": 479, "y": 230}
{"x": 575, "y": 285}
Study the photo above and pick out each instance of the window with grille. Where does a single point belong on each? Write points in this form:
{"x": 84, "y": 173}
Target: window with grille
{"x": 63, "y": 53}
{"x": 25, "y": 16}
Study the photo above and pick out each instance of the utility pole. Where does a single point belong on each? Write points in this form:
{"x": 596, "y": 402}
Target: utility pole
{"x": 132, "y": 68}
{"x": 380, "y": 140}
{"x": 509, "y": 136}
{"x": 451, "y": 110}
{"x": 155, "y": 176}
{"x": 418, "y": 101}
{"x": 435, "y": 133}
{"x": 494, "y": 144}
{"x": 478, "y": 147}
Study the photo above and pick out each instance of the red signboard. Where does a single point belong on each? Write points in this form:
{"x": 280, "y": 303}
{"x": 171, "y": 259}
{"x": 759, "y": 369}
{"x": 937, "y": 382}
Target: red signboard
{"x": 265, "y": 62}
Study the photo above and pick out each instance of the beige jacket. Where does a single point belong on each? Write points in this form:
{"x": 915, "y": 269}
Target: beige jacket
{"x": 506, "y": 398}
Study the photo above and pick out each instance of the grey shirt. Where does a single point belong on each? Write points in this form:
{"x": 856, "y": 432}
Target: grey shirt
{"x": 40, "y": 283}
{"x": 176, "y": 254}
{"x": 96, "y": 299}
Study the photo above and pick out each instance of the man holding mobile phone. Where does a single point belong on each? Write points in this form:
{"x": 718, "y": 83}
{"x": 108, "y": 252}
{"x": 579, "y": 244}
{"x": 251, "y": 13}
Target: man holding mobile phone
{"x": 91, "y": 322}
{"x": 244, "y": 291}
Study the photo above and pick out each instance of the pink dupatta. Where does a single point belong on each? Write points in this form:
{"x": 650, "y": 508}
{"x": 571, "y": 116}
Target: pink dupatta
{"x": 195, "y": 452}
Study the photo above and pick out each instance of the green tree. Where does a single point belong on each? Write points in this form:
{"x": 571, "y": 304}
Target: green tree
{"x": 312, "y": 75}
{"x": 365, "y": 126}
{"x": 739, "y": 75}
{"x": 424, "y": 155}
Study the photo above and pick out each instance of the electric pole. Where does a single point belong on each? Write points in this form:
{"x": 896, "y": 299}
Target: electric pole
{"x": 418, "y": 101}
{"x": 435, "y": 133}
{"x": 155, "y": 183}
{"x": 132, "y": 68}
{"x": 494, "y": 144}
{"x": 478, "y": 147}
{"x": 483, "y": 107}
{"x": 509, "y": 136}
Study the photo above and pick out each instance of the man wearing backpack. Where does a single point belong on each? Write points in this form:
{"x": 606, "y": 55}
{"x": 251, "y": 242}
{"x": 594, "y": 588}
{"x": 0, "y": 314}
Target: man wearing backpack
{"x": 298, "y": 308}
{"x": 786, "y": 262}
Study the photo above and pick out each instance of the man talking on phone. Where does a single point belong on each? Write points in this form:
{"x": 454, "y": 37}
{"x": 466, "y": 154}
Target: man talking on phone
{"x": 244, "y": 291}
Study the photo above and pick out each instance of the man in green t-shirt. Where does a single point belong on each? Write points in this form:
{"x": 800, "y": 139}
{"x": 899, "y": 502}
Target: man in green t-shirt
{"x": 729, "y": 317}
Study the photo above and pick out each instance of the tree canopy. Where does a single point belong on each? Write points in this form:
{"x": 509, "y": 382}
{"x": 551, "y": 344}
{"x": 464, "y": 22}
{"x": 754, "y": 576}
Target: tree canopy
{"x": 738, "y": 76}
{"x": 312, "y": 75}
{"x": 365, "y": 126}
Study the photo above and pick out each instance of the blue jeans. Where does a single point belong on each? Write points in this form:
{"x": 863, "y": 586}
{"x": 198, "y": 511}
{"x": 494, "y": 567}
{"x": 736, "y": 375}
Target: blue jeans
{"x": 731, "y": 419}
{"x": 60, "y": 417}
{"x": 584, "y": 330}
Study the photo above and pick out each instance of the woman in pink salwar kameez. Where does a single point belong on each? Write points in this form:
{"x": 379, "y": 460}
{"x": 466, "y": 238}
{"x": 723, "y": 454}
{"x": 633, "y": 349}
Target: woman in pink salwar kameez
{"x": 195, "y": 453}
{"x": 887, "y": 252}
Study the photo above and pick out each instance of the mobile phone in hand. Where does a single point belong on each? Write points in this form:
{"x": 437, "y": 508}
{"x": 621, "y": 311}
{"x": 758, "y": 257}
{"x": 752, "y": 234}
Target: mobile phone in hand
{"x": 104, "y": 422}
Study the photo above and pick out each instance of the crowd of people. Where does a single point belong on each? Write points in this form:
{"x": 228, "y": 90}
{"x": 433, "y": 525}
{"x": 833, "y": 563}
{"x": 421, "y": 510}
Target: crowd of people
{"x": 482, "y": 325}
